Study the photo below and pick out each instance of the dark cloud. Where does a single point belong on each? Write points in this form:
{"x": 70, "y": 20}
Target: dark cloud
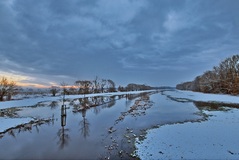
{"x": 155, "y": 42}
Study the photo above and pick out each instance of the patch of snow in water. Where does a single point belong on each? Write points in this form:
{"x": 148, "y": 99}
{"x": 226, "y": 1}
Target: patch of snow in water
{"x": 216, "y": 138}
{"x": 6, "y": 123}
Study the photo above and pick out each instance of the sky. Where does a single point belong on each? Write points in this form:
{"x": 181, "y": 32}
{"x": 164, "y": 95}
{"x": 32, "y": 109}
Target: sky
{"x": 153, "y": 42}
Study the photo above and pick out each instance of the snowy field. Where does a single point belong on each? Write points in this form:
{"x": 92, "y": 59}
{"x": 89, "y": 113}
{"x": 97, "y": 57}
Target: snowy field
{"x": 216, "y": 138}
{"x": 203, "y": 97}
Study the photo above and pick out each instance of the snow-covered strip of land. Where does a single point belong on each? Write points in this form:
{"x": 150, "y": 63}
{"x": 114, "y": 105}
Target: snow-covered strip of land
{"x": 34, "y": 101}
{"x": 216, "y": 138}
{"x": 203, "y": 97}
{"x": 6, "y": 123}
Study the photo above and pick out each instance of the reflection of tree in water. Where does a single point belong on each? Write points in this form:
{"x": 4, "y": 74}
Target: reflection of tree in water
{"x": 63, "y": 137}
{"x": 90, "y": 102}
{"x": 109, "y": 102}
{"x": 130, "y": 97}
{"x": 214, "y": 106}
{"x": 53, "y": 104}
{"x": 63, "y": 132}
{"x": 133, "y": 96}
{"x": 85, "y": 125}
{"x": 97, "y": 103}
{"x": 26, "y": 127}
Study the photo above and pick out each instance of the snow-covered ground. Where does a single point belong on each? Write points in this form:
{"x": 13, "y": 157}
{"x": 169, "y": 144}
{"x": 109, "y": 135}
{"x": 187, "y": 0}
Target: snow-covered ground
{"x": 203, "y": 97}
{"x": 216, "y": 138}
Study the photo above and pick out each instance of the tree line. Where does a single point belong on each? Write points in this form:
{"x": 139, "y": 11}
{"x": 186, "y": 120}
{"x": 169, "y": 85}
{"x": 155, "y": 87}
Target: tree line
{"x": 97, "y": 85}
{"x": 9, "y": 88}
{"x": 221, "y": 79}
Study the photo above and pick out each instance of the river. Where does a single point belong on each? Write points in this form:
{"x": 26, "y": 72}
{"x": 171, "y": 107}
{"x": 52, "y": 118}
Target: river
{"x": 102, "y": 127}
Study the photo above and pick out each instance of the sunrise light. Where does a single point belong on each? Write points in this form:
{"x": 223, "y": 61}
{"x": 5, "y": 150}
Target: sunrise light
{"x": 25, "y": 81}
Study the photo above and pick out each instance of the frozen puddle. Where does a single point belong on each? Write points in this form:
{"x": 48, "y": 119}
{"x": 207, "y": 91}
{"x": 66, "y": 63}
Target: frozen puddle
{"x": 216, "y": 138}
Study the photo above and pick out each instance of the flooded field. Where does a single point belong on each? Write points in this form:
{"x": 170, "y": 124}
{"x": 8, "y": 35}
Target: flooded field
{"x": 102, "y": 127}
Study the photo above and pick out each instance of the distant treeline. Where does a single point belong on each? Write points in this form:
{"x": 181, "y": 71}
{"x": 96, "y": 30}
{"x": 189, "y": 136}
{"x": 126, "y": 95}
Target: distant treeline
{"x": 134, "y": 87}
{"x": 221, "y": 79}
{"x": 97, "y": 85}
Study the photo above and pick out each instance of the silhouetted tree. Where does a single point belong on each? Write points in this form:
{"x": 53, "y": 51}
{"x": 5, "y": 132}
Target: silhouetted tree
{"x": 64, "y": 88}
{"x": 85, "y": 86}
{"x": 96, "y": 84}
{"x": 7, "y": 88}
{"x": 121, "y": 89}
{"x": 54, "y": 90}
{"x": 137, "y": 87}
{"x": 111, "y": 85}
{"x": 73, "y": 90}
{"x": 103, "y": 84}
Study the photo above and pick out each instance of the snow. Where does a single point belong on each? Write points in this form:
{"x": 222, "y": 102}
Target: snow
{"x": 203, "y": 97}
{"x": 12, "y": 122}
{"x": 216, "y": 138}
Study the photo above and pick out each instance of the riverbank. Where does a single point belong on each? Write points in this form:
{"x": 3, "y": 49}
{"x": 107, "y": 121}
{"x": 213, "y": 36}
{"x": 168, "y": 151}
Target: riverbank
{"x": 214, "y": 138}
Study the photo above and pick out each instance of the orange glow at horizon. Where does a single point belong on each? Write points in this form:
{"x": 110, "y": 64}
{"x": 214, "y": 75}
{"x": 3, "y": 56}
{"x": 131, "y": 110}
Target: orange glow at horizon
{"x": 28, "y": 81}
{"x": 19, "y": 79}
{"x": 35, "y": 85}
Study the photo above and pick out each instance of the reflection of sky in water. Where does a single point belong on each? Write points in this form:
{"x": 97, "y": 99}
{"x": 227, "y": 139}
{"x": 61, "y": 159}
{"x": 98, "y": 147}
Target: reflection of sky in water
{"x": 39, "y": 112}
{"x": 87, "y": 130}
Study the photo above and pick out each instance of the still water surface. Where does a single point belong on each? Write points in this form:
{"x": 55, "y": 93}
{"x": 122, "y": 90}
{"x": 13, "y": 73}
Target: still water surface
{"x": 92, "y": 128}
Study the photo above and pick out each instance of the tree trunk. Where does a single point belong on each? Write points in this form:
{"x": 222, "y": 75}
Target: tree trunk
{"x": 1, "y": 97}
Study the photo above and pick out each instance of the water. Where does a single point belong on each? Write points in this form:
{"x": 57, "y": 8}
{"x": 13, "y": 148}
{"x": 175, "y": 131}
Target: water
{"x": 92, "y": 128}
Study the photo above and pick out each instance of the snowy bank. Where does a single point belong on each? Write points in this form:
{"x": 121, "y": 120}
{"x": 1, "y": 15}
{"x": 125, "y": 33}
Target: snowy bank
{"x": 216, "y": 138}
{"x": 203, "y": 97}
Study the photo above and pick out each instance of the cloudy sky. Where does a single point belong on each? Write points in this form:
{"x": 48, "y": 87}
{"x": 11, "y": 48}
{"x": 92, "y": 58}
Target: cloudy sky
{"x": 153, "y": 42}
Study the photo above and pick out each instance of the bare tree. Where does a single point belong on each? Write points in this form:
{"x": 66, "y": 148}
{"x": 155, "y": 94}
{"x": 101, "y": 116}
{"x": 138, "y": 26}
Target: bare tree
{"x": 73, "y": 90}
{"x": 7, "y": 88}
{"x": 111, "y": 85}
{"x": 64, "y": 88}
{"x": 84, "y": 86}
{"x": 222, "y": 79}
{"x": 96, "y": 84}
{"x": 54, "y": 90}
{"x": 121, "y": 89}
{"x": 103, "y": 84}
